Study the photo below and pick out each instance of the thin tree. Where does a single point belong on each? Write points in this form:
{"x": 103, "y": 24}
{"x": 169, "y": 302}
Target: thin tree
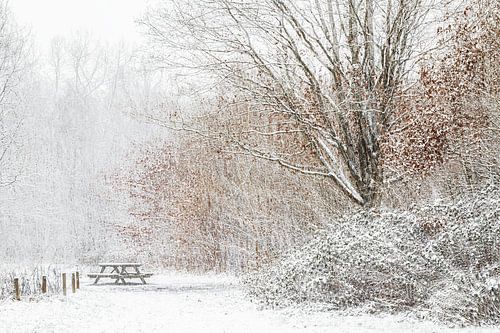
{"x": 13, "y": 53}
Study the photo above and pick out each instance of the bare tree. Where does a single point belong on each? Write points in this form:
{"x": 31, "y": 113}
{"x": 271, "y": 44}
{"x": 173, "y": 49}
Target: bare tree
{"x": 321, "y": 76}
{"x": 13, "y": 52}
{"x": 89, "y": 62}
{"x": 56, "y": 60}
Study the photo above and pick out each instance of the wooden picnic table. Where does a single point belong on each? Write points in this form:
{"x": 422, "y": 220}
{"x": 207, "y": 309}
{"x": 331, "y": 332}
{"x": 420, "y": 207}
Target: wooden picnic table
{"x": 119, "y": 272}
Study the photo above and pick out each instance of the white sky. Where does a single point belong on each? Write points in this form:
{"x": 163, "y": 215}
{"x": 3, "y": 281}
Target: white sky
{"x": 108, "y": 20}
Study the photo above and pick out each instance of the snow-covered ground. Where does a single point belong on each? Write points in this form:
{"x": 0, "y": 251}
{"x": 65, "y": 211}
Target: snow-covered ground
{"x": 186, "y": 303}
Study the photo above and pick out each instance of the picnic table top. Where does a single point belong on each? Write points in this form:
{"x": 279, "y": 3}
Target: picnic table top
{"x": 130, "y": 264}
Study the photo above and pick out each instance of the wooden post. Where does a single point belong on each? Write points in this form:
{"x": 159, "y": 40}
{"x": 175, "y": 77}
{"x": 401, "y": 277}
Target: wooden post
{"x": 73, "y": 283}
{"x": 77, "y": 280}
{"x": 64, "y": 283}
{"x": 16, "y": 289}
{"x": 44, "y": 284}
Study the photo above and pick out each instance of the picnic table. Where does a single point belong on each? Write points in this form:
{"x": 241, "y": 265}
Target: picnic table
{"x": 119, "y": 272}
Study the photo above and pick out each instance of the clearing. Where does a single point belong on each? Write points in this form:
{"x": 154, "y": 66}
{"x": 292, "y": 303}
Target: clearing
{"x": 187, "y": 303}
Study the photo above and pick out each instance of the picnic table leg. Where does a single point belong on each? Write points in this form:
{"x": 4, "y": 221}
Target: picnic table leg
{"x": 138, "y": 272}
{"x": 117, "y": 270}
{"x": 98, "y": 277}
{"x": 124, "y": 272}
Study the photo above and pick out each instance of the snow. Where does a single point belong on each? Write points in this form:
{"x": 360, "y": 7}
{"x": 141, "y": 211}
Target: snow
{"x": 177, "y": 302}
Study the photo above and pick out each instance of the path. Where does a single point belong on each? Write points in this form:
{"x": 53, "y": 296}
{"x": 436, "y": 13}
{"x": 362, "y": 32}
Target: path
{"x": 183, "y": 303}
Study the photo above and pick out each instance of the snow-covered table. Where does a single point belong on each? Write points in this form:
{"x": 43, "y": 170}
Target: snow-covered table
{"x": 119, "y": 272}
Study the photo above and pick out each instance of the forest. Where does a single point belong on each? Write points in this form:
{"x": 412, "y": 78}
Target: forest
{"x": 335, "y": 155}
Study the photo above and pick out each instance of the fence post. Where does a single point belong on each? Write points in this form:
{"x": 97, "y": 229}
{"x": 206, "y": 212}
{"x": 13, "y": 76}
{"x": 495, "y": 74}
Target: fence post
{"x": 44, "y": 284}
{"x": 16, "y": 289}
{"x": 77, "y": 280}
{"x": 73, "y": 283}
{"x": 64, "y": 283}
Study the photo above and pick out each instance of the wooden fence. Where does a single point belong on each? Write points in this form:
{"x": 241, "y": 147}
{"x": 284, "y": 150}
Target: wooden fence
{"x": 75, "y": 285}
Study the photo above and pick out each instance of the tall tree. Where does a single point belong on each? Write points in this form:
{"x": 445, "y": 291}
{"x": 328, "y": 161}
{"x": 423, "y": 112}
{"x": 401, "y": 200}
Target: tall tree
{"x": 320, "y": 76}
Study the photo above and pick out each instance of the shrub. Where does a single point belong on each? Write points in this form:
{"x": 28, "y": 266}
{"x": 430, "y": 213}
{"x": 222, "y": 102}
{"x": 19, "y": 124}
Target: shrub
{"x": 441, "y": 259}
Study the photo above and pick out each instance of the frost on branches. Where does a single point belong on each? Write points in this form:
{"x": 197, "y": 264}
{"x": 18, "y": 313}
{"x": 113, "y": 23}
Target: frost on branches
{"x": 440, "y": 260}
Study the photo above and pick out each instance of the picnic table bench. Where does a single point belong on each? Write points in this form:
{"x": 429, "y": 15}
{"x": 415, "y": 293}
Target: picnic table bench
{"x": 119, "y": 272}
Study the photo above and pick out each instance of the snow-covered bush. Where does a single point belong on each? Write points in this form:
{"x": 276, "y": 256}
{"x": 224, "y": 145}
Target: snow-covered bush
{"x": 441, "y": 259}
{"x": 468, "y": 298}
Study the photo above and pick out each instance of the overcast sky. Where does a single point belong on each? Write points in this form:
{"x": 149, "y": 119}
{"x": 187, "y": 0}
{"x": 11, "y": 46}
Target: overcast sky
{"x": 110, "y": 20}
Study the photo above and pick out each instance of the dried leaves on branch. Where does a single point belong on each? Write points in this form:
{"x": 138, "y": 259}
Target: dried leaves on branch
{"x": 201, "y": 209}
{"x": 454, "y": 106}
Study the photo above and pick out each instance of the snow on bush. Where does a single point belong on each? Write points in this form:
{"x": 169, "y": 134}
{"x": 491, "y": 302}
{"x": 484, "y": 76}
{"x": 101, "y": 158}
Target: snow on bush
{"x": 30, "y": 281}
{"x": 442, "y": 259}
